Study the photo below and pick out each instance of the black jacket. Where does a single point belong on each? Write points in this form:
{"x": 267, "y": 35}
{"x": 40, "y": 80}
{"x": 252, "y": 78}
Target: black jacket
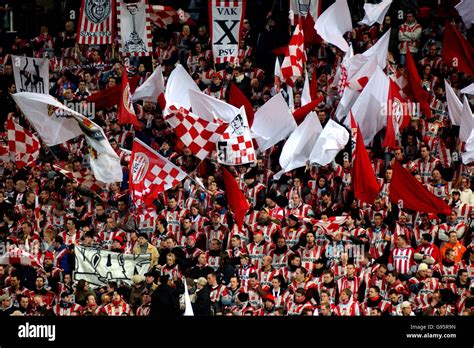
{"x": 202, "y": 305}
{"x": 164, "y": 302}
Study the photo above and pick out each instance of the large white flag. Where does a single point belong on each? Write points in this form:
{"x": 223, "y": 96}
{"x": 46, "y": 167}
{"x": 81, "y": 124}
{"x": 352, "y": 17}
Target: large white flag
{"x": 332, "y": 139}
{"x": 333, "y": 23}
{"x": 467, "y": 122}
{"x": 465, "y": 9}
{"x": 469, "y": 89}
{"x": 209, "y": 108}
{"x": 177, "y": 87}
{"x": 133, "y": 21}
{"x": 31, "y": 74}
{"x": 375, "y": 13}
{"x": 300, "y": 144}
{"x": 273, "y": 122}
{"x": 380, "y": 50}
{"x": 39, "y": 110}
{"x": 306, "y": 93}
{"x": 454, "y": 104}
{"x": 369, "y": 110}
{"x": 152, "y": 89}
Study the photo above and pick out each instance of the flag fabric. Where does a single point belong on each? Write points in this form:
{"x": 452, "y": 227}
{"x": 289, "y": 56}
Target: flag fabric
{"x": 303, "y": 9}
{"x": 162, "y": 16}
{"x": 126, "y": 112}
{"x": 469, "y": 89}
{"x": 195, "y": 132}
{"x": 364, "y": 181}
{"x": 375, "y": 13}
{"x": 274, "y": 112}
{"x": 188, "y": 309}
{"x": 466, "y": 11}
{"x": 210, "y": 108}
{"x": 15, "y": 255}
{"x": 43, "y": 112}
{"x": 238, "y": 99}
{"x": 225, "y": 22}
{"x": 153, "y": 89}
{"x": 457, "y": 52}
{"x": 83, "y": 177}
{"x": 133, "y": 21}
{"x": 333, "y": 23}
{"x": 150, "y": 174}
{"x": 313, "y": 87}
{"x": 300, "y": 113}
{"x": 300, "y": 144}
{"x": 235, "y": 197}
{"x": 413, "y": 89}
{"x": 305, "y": 93}
{"x": 295, "y": 57}
{"x": 111, "y": 96}
{"x": 31, "y": 74}
{"x": 468, "y": 154}
{"x": 235, "y": 147}
{"x": 454, "y": 105}
{"x": 467, "y": 123}
{"x": 332, "y": 139}
{"x": 177, "y": 88}
{"x": 96, "y": 23}
{"x": 23, "y": 145}
{"x": 398, "y": 115}
{"x": 414, "y": 195}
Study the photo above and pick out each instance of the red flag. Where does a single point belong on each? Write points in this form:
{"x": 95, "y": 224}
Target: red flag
{"x": 300, "y": 114}
{"x": 237, "y": 98}
{"x": 365, "y": 185}
{"x": 398, "y": 116}
{"x": 23, "y": 144}
{"x": 457, "y": 52}
{"x": 111, "y": 96}
{"x": 293, "y": 63}
{"x": 235, "y": 197}
{"x": 413, "y": 89}
{"x": 126, "y": 113}
{"x": 414, "y": 195}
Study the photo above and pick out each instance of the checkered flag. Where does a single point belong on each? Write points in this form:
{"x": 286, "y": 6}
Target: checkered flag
{"x": 16, "y": 255}
{"x": 292, "y": 66}
{"x": 162, "y": 16}
{"x": 150, "y": 174}
{"x": 83, "y": 177}
{"x": 22, "y": 144}
{"x": 196, "y": 133}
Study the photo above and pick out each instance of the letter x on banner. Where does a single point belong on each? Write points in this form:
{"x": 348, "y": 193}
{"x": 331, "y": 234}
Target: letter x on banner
{"x": 226, "y": 18}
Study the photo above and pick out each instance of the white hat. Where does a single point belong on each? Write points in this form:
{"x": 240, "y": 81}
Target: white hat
{"x": 422, "y": 267}
{"x": 406, "y": 304}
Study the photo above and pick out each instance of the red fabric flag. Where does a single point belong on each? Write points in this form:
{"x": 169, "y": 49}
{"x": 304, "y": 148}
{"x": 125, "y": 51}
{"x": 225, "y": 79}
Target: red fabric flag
{"x": 398, "y": 115}
{"x": 111, "y": 96}
{"x": 300, "y": 114}
{"x": 457, "y": 52}
{"x": 235, "y": 197}
{"x": 413, "y": 88}
{"x": 24, "y": 145}
{"x": 293, "y": 63}
{"x": 414, "y": 195}
{"x": 126, "y": 113}
{"x": 311, "y": 37}
{"x": 237, "y": 98}
{"x": 364, "y": 182}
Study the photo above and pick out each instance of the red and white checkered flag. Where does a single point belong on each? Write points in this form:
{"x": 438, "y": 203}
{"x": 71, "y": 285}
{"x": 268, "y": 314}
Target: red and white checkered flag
{"x": 292, "y": 66}
{"x": 196, "y": 133}
{"x": 16, "y": 255}
{"x": 22, "y": 144}
{"x": 83, "y": 177}
{"x": 162, "y": 16}
{"x": 150, "y": 174}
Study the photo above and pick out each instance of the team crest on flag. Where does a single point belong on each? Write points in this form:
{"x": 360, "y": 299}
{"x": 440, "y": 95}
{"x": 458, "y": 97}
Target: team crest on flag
{"x": 96, "y": 23}
{"x": 140, "y": 167}
{"x": 97, "y": 11}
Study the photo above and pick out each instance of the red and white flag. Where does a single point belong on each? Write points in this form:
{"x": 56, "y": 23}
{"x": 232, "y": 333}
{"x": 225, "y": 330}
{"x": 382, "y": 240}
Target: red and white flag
{"x": 96, "y": 22}
{"x": 23, "y": 145}
{"x": 225, "y": 19}
{"x": 292, "y": 66}
{"x": 162, "y": 16}
{"x": 133, "y": 21}
{"x": 153, "y": 89}
{"x": 150, "y": 174}
{"x": 83, "y": 177}
{"x": 16, "y": 255}
{"x": 126, "y": 112}
{"x": 198, "y": 134}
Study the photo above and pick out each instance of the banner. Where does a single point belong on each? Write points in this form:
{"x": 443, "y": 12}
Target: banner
{"x": 98, "y": 266}
{"x": 133, "y": 21}
{"x": 96, "y": 22}
{"x": 31, "y": 74}
{"x": 226, "y": 18}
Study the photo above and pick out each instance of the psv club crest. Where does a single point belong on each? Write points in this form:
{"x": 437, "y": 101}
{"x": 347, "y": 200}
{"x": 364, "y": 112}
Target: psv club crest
{"x": 140, "y": 167}
{"x": 97, "y": 10}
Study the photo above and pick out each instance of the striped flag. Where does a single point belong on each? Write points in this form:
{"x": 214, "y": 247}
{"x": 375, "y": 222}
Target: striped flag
{"x": 83, "y": 177}
{"x": 96, "y": 22}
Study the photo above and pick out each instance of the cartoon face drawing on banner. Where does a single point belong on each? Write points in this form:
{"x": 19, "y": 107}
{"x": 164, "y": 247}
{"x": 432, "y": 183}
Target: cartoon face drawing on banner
{"x": 140, "y": 167}
{"x": 238, "y": 126}
{"x": 134, "y": 43}
{"x": 97, "y": 10}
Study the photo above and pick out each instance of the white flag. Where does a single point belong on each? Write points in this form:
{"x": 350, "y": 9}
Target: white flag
{"x": 369, "y": 110}
{"x": 466, "y": 10}
{"x": 333, "y": 139}
{"x": 206, "y": 107}
{"x": 380, "y": 50}
{"x": 467, "y": 123}
{"x": 454, "y": 105}
{"x": 275, "y": 113}
{"x": 306, "y": 94}
{"x": 39, "y": 110}
{"x": 375, "y": 13}
{"x": 188, "y": 312}
{"x": 468, "y": 90}
{"x": 300, "y": 144}
{"x": 333, "y": 23}
{"x": 177, "y": 87}
{"x": 152, "y": 88}
{"x": 31, "y": 74}
{"x": 133, "y": 22}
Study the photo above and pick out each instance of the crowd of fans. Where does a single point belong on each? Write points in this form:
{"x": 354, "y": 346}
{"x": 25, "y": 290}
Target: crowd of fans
{"x": 307, "y": 247}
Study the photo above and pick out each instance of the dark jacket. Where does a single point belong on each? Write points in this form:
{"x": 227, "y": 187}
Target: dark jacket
{"x": 164, "y": 302}
{"x": 202, "y": 304}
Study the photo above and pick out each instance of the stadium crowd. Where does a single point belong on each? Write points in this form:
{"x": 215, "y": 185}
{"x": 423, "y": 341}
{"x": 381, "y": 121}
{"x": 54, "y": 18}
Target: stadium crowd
{"x": 308, "y": 246}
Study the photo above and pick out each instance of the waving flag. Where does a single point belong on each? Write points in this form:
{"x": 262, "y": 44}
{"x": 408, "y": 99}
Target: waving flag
{"x": 126, "y": 112}
{"x": 292, "y": 66}
{"x": 162, "y": 16}
{"x": 332, "y": 139}
{"x": 24, "y": 146}
{"x": 83, "y": 177}
{"x": 413, "y": 89}
{"x": 457, "y": 52}
{"x": 333, "y": 23}
{"x": 96, "y": 22}
{"x": 153, "y": 89}
{"x": 236, "y": 198}
{"x": 375, "y": 13}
